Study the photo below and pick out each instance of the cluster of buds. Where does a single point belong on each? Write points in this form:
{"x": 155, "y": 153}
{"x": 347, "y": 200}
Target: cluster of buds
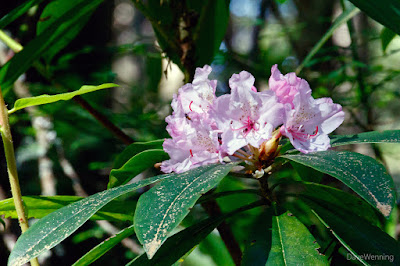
{"x": 245, "y": 124}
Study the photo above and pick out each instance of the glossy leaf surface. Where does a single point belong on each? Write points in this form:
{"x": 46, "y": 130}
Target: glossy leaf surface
{"x": 367, "y": 177}
{"x": 40, "y": 206}
{"x": 163, "y": 207}
{"x": 55, "y": 227}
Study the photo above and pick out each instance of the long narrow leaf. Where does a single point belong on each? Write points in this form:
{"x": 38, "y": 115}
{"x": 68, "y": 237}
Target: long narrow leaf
{"x": 367, "y": 177}
{"x": 164, "y": 206}
{"x": 388, "y": 136}
{"x": 17, "y": 12}
{"x": 179, "y": 244}
{"x": 34, "y": 49}
{"x": 40, "y": 206}
{"x": 343, "y": 18}
{"x": 45, "y": 99}
{"x": 55, "y": 227}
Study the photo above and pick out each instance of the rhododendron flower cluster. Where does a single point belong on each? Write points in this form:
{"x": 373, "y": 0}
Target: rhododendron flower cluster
{"x": 245, "y": 124}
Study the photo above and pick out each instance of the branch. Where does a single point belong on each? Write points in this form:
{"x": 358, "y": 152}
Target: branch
{"x": 213, "y": 209}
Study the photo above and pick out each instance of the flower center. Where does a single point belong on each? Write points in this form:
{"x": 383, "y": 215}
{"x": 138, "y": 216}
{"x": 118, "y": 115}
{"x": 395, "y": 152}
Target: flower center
{"x": 300, "y": 133}
{"x": 248, "y": 126}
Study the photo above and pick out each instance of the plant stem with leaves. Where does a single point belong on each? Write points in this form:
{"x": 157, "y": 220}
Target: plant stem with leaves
{"x": 12, "y": 168}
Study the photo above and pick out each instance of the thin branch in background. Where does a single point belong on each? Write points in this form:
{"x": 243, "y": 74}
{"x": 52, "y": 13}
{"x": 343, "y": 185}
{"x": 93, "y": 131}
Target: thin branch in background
{"x": 227, "y": 236}
{"x": 44, "y": 136}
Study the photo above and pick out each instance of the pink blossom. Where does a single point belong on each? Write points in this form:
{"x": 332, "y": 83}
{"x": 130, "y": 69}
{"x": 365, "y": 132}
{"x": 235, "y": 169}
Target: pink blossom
{"x": 246, "y": 116}
{"x": 197, "y": 96}
{"x": 197, "y": 144}
{"x": 308, "y": 124}
{"x": 287, "y": 86}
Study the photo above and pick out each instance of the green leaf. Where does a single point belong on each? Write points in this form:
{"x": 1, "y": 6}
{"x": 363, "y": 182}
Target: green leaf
{"x": 136, "y": 148}
{"x": 180, "y": 243}
{"x": 343, "y": 18}
{"x": 40, "y": 206}
{"x": 258, "y": 244}
{"x": 307, "y": 173}
{"x": 135, "y": 166}
{"x": 386, "y": 12}
{"x": 163, "y": 207}
{"x": 17, "y": 12}
{"x": 327, "y": 195}
{"x": 386, "y": 37}
{"x": 388, "y": 136}
{"x": 367, "y": 177}
{"x": 35, "y": 48}
{"x": 45, "y": 99}
{"x": 58, "y": 225}
{"x": 51, "y": 13}
{"x": 210, "y": 29}
{"x": 98, "y": 251}
{"x": 292, "y": 242}
{"x": 358, "y": 236}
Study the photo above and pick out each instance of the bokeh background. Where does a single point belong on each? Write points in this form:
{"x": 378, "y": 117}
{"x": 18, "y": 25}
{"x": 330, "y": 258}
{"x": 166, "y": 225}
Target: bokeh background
{"x": 61, "y": 149}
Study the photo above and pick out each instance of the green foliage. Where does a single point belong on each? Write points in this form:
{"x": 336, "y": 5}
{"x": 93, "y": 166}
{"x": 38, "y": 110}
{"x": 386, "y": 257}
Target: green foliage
{"x": 359, "y": 238}
{"x": 55, "y": 227}
{"x": 163, "y": 207}
{"x": 347, "y": 14}
{"x": 386, "y": 12}
{"x": 386, "y": 38}
{"x": 388, "y": 136}
{"x": 136, "y": 158}
{"x": 98, "y": 251}
{"x": 34, "y": 49}
{"x": 359, "y": 172}
{"x": 292, "y": 242}
{"x": 186, "y": 239}
{"x": 40, "y": 206}
{"x": 17, "y": 12}
{"x": 45, "y": 99}
{"x": 55, "y": 10}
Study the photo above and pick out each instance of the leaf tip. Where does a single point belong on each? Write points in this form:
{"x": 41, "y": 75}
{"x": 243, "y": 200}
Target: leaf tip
{"x": 152, "y": 247}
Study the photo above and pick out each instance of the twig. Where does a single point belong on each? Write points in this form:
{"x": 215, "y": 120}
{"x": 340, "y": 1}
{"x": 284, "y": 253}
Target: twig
{"x": 12, "y": 168}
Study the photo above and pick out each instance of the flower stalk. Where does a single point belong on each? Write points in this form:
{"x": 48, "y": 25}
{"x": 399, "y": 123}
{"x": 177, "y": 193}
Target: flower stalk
{"x": 12, "y": 168}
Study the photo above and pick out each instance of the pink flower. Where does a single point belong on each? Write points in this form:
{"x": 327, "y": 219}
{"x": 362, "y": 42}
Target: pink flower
{"x": 246, "y": 116}
{"x": 308, "y": 124}
{"x": 196, "y": 145}
{"x": 197, "y": 96}
{"x": 286, "y": 86}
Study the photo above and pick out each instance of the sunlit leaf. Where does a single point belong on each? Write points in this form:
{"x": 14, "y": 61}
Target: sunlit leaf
{"x": 40, "y": 206}
{"x": 58, "y": 225}
{"x": 163, "y": 207}
{"x": 367, "y": 177}
{"x": 179, "y": 244}
{"x": 45, "y": 99}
